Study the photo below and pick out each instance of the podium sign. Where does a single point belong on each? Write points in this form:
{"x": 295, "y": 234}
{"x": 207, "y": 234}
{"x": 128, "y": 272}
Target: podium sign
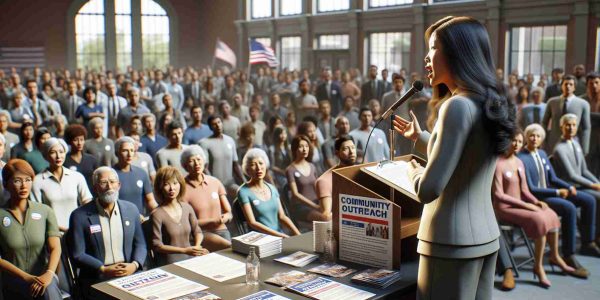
{"x": 366, "y": 230}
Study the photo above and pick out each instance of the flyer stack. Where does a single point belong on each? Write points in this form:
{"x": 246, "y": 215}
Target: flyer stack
{"x": 265, "y": 245}
{"x": 377, "y": 278}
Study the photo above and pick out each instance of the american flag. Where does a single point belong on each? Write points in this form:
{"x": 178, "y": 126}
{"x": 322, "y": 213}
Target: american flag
{"x": 224, "y": 53}
{"x": 21, "y": 57}
{"x": 259, "y": 53}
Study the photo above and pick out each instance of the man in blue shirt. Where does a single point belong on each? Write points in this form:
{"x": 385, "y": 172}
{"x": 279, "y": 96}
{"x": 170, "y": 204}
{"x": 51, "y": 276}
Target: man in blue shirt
{"x": 198, "y": 130}
{"x": 151, "y": 142}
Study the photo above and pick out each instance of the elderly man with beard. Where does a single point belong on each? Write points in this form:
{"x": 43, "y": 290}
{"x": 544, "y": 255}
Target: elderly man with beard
{"x": 105, "y": 235}
{"x": 345, "y": 151}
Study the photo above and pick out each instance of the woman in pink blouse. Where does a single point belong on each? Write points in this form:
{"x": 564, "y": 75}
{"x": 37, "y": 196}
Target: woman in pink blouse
{"x": 514, "y": 204}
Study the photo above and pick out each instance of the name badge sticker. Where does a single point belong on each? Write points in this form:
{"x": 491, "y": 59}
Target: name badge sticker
{"x": 127, "y": 223}
{"x": 256, "y": 202}
{"x": 140, "y": 184}
{"x": 6, "y": 221}
{"x": 95, "y": 228}
{"x": 107, "y": 147}
{"x": 214, "y": 195}
{"x": 297, "y": 174}
{"x": 36, "y": 216}
{"x": 508, "y": 174}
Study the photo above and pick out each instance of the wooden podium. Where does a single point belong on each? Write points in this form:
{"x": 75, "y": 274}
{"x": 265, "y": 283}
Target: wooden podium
{"x": 353, "y": 181}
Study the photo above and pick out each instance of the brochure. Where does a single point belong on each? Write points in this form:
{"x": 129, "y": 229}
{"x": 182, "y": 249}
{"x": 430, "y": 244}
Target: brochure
{"x": 157, "y": 284}
{"x": 322, "y": 288}
{"x": 214, "y": 266}
{"x": 379, "y": 278}
{"x": 333, "y": 270}
{"x": 289, "y": 278}
{"x": 198, "y": 296}
{"x": 297, "y": 259}
{"x": 264, "y": 295}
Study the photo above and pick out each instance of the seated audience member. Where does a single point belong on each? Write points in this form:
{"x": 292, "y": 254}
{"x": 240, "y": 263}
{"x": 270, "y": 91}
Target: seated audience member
{"x": 301, "y": 176}
{"x": 174, "y": 223}
{"x": 571, "y": 165}
{"x": 57, "y": 186}
{"x": 142, "y": 159}
{"x": 280, "y": 154}
{"x": 76, "y": 159}
{"x": 222, "y": 156}
{"x": 532, "y": 112}
{"x": 561, "y": 197}
{"x": 99, "y": 146}
{"x": 342, "y": 128}
{"x": 29, "y": 239}
{"x": 11, "y": 139}
{"x": 208, "y": 198}
{"x": 514, "y": 204}
{"x": 309, "y": 129}
{"x": 345, "y": 151}
{"x": 105, "y": 236}
{"x": 35, "y": 157}
{"x": 135, "y": 183}
{"x": 260, "y": 200}
{"x": 170, "y": 155}
{"x": 378, "y": 145}
{"x": 197, "y": 131}
{"x": 26, "y": 144}
{"x": 90, "y": 109}
{"x": 151, "y": 142}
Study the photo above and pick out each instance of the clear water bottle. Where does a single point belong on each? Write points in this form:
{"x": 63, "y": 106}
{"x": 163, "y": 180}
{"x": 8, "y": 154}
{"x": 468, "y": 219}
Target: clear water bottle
{"x": 252, "y": 267}
{"x": 330, "y": 251}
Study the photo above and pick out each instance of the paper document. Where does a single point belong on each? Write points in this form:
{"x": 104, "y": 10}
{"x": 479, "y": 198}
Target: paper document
{"x": 214, "y": 266}
{"x": 326, "y": 289}
{"x": 157, "y": 284}
{"x": 393, "y": 173}
{"x": 264, "y": 295}
{"x": 297, "y": 259}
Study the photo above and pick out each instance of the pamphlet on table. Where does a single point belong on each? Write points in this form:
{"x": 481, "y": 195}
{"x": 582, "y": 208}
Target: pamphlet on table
{"x": 264, "y": 295}
{"x": 322, "y": 288}
{"x": 264, "y": 244}
{"x": 332, "y": 270}
{"x": 378, "y": 278}
{"x": 157, "y": 284}
{"x": 214, "y": 266}
{"x": 297, "y": 259}
{"x": 289, "y": 278}
{"x": 198, "y": 296}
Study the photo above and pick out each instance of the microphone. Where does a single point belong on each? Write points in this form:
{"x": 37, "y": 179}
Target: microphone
{"x": 416, "y": 87}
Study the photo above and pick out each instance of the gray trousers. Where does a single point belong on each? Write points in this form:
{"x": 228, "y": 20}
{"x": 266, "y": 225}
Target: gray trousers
{"x": 452, "y": 278}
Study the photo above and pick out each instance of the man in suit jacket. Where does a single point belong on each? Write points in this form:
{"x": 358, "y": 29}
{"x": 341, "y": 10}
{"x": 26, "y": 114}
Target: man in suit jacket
{"x": 570, "y": 163}
{"x": 567, "y": 103}
{"x": 387, "y": 86}
{"x": 105, "y": 236}
{"x": 372, "y": 89}
{"x": 532, "y": 112}
{"x": 554, "y": 89}
{"x": 112, "y": 105}
{"x": 562, "y": 197}
{"x": 330, "y": 90}
{"x": 403, "y": 146}
{"x": 193, "y": 89}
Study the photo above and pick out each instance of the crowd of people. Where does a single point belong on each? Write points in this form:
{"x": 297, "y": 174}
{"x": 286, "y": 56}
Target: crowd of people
{"x": 123, "y": 164}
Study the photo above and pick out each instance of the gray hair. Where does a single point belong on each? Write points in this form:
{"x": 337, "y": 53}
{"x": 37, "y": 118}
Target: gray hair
{"x": 123, "y": 140}
{"x": 94, "y": 122}
{"x": 50, "y": 143}
{"x": 567, "y": 117}
{"x": 191, "y": 151}
{"x": 5, "y": 112}
{"x": 61, "y": 117}
{"x": 99, "y": 171}
{"x": 252, "y": 154}
{"x": 535, "y": 128}
{"x": 539, "y": 90}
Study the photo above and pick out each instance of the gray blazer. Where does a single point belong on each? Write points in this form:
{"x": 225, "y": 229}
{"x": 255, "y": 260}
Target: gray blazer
{"x": 456, "y": 184}
{"x": 551, "y": 121}
{"x": 572, "y": 168}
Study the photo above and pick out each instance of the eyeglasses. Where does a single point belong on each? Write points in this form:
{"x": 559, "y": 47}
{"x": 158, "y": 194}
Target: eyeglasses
{"x": 21, "y": 181}
{"x": 106, "y": 183}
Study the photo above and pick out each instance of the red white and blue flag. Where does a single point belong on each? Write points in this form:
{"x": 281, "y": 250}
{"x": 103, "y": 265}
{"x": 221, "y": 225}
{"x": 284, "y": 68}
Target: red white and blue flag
{"x": 260, "y": 53}
{"x": 224, "y": 53}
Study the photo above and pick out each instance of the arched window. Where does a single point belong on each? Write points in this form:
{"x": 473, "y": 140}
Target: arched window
{"x": 155, "y": 34}
{"x": 120, "y": 33}
{"x": 89, "y": 35}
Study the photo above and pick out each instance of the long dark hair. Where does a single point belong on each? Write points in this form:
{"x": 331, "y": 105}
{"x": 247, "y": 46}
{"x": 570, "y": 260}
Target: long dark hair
{"x": 466, "y": 45}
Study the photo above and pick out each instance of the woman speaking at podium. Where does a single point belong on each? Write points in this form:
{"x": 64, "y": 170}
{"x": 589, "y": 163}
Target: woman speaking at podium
{"x": 458, "y": 235}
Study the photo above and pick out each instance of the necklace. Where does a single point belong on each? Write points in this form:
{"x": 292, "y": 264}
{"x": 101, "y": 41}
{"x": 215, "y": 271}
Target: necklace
{"x": 262, "y": 192}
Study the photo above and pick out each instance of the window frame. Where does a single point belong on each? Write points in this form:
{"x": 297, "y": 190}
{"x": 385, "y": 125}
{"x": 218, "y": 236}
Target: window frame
{"x": 369, "y": 6}
{"x": 530, "y": 27}
{"x": 280, "y": 52}
{"x": 407, "y": 52}
{"x": 319, "y": 11}
{"x": 280, "y": 13}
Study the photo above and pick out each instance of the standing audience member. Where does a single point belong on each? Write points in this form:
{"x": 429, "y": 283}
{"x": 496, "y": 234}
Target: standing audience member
{"x": 231, "y": 124}
{"x": 142, "y": 159}
{"x": 77, "y": 160}
{"x": 90, "y": 109}
{"x": 29, "y": 239}
{"x": 136, "y": 186}
{"x": 113, "y": 107}
{"x": 378, "y": 146}
{"x": 593, "y": 98}
{"x": 208, "y": 198}
{"x": 151, "y": 142}
{"x": 326, "y": 123}
{"x": 579, "y": 73}
{"x": 534, "y": 111}
{"x": 59, "y": 187}
{"x": 565, "y": 104}
{"x": 260, "y": 200}
{"x": 10, "y": 138}
{"x": 71, "y": 101}
{"x": 554, "y": 88}
{"x": 345, "y": 151}
{"x": 350, "y": 113}
{"x": 174, "y": 223}
{"x": 26, "y": 133}
{"x": 239, "y": 109}
{"x": 99, "y": 146}
{"x": 197, "y": 131}
{"x": 105, "y": 236}
{"x": 35, "y": 157}
{"x": 170, "y": 155}
{"x": 135, "y": 108}
{"x": 259, "y": 126}
{"x": 372, "y": 89}
{"x": 331, "y": 90}
{"x": 281, "y": 156}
